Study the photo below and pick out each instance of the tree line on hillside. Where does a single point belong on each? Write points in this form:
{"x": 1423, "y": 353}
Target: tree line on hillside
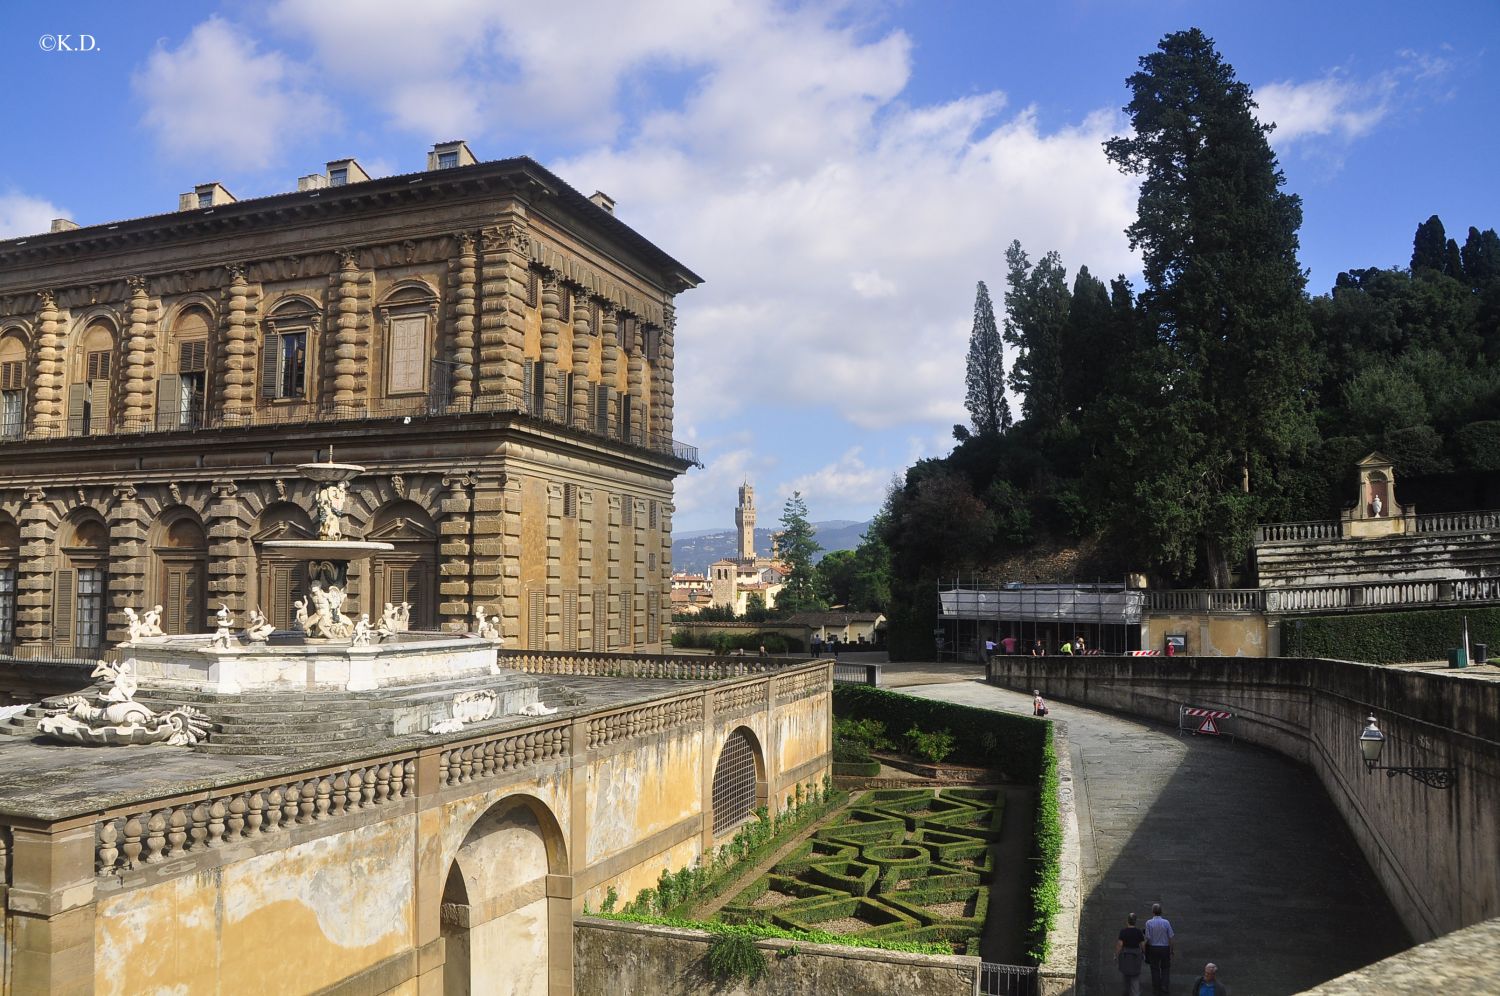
{"x": 1157, "y": 426}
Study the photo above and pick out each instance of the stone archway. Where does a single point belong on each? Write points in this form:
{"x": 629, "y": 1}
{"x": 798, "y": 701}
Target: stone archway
{"x": 501, "y": 903}
{"x": 740, "y": 786}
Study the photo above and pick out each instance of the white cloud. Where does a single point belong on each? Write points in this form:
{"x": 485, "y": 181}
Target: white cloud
{"x": 22, "y": 214}
{"x": 707, "y": 495}
{"x": 848, "y": 482}
{"x": 1333, "y": 105}
{"x": 215, "y": 97}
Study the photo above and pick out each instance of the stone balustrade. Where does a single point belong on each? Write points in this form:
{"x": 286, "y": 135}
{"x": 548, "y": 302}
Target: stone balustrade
{"x": 1328, "y": 598}
{"x": 1297, "y": 532}
{"x": 1459, "y": 522}
{"x": 498, "y": 755}
{"x": 626, "y": 665}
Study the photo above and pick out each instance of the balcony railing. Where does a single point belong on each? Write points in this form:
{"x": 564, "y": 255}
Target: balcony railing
{"x": 323, "y": 412}
{"x": 1216, "y": 600}
{"x": 1370, "y": 595}
{"x": 1459, "y": 522}
{"x": 1442, "y": 522}
{"x": 1297, "y": 532}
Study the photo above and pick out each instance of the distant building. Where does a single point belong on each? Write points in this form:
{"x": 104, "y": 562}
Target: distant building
{"x": 733, "y": 580}
{"x": 845, "y": 627}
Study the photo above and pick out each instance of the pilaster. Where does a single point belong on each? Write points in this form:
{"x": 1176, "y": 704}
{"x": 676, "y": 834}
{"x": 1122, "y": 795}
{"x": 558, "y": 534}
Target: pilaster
{"x": 456, "y": 550}
{"x": 663, "y": 394}
{"x": 234, "y": 387}
{"x": 135, "y": 398}
{"x": 502, "y": 307}
{"x": 46, "y": 402}
{"x": 463, "y": 293}
{"x": 128, "y": 558}
{"x": 230, "y": 557}
{"x": 609, "y": 359}
{"x": 551, "y": 331}
{"x": 51, "y": 911}
{"x": 582, "y": 337}
{"x": 37, "y": 565}
{"x": 351, "y": 341}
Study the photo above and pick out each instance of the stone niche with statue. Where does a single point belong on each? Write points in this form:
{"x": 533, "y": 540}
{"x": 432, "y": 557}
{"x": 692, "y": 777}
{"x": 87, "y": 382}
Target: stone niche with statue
{"x": 1375, "y": 511}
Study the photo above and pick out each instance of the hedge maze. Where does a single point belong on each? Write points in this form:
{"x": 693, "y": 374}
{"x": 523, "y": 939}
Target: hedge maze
{"x": 898, "y": 865}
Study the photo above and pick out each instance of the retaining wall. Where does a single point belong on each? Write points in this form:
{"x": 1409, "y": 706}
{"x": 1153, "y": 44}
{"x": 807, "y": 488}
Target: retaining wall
{"x": 1433, "y": 849}
{"x": 610, "y": 956}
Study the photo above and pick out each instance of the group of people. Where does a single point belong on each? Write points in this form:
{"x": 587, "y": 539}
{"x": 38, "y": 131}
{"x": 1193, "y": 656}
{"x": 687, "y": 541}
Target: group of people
{"x": 1137, "y": 949}
{"x": 1010, "y": 646}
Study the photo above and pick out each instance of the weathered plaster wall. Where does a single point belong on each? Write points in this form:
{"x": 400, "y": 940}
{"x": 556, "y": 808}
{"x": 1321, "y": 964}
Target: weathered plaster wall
{"x": 1209, "y": 635}
{"x": 803, "y": 733}
{"x": 610, "y": 957}
{"x": 1432, "y": 849}
{"x": 643, "y": 791}
{"x": 331, "y": 906}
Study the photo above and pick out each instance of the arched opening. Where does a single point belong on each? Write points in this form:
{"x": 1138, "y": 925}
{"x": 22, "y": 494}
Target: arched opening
{"x": 182, "y": 392}
{"x": 10, "y": 563}
{"x": 1379, "y": 501}
{"x": 90, "y": 370}
{"x": 498, "y": 907}
{"x": 408, "y": 315}
{"x": 179, "y": 576}
{"x": 739, "y": 782}
{"x": 409, "y": 572}
{"x": 278, "y": 579}
{"x": 12, "y": 384}
{"x": 80, "y": 585}
{"x": 286, "y": 344}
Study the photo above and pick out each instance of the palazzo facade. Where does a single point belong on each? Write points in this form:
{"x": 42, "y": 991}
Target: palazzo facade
{"x": 494, "y": 347}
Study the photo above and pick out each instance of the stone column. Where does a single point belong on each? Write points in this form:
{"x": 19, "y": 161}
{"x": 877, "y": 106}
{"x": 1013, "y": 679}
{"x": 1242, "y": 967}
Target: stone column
{"x": 488, "y": 570}
{"x": 234, "y": 364}
{"x": 502, "y": 321}
{"x": 456, "y": 550}
{"x": 46, "y": 415}
{"x": 231, "y": 558}
{"x": 351, "y": 377}
{"x": 609, "y": 360}
{"x": 136, "y": 407}
{"x": 129, "y": 559}
{"x": 551, "y": 330}
{"x": 636, "y": 383}
{"x": 663, "y": 391}
{"x": 582, "y": 314}
{"x": 38, "y": 561}
{"x": 462, "y": 293}
{"x": 51, "y": 906}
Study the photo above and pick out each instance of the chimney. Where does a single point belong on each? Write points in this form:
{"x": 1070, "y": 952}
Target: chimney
{"x": 63, "y": 224}
{"x": 312, "y": 181}
{"x": 204, "y": 195}
{"x": 447, "y": 155}
{"x": 602, "y": 199}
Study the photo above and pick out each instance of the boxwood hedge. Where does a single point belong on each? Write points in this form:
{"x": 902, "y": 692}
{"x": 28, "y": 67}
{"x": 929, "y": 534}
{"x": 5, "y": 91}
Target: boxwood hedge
{"x": 1388, "y": 637}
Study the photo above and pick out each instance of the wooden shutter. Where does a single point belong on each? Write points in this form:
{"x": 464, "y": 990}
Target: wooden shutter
{"x": 270, "y": 347}
{"x": 564, "y": 398}
{"x": 528, "y": 382}
{"x": 653, "y": 619}
{"x": 276, "y": 601}
{"x": 97, "y": 365}
{"x": 78, "y": 395}
{"x": 62, "y": 607}
{"x": 168, "y": 402}
{"x": 98, "y": 406}
{"x": 570, "y": 619}
{"x": 627, "y": 619}
{"x": 565, "y": 303}
{"x": 174, "y": 613}
{"x": 601, "y": 406}
{"x": 591, "y": 414}
{"x": 536, "y": 620}
{"x": 533, "y": 288}
{"x": 192, "y": 357}
{"x": 406, "y": 358}
{"x": 599, "y": 625}
{"x": 11, "y": 374}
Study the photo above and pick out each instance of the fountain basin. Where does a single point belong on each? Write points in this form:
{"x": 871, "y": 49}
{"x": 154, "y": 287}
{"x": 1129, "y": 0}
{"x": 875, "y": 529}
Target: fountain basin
{"x": 191, "y": 662}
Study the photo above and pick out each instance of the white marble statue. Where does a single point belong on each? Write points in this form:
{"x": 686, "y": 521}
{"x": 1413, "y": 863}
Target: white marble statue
{"x": 363, "y": 630}
{"x": 394, "y": 619}
{"x": 151, "y": 621}
{"x": 119, "y": 719}
{"x": 328, "y": 505}
{"x": 259, "y": 629}
{"x": 134, "y": 624}
{"x": 470, "y": 707}
{"x": 325, "y": 621}
{"x": 537, "y": 709}
{"x": 224, "y": 634}
{"x": 486, "y": 627}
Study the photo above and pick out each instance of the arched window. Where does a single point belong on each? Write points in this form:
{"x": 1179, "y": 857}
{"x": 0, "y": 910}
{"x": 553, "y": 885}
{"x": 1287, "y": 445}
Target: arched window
{"x": 90, "y": 371}
{"x": 12, "y": 384}
{"x": 79, "y": 587}
{"x": 409, "y": 316}
{"x": 10, "y": 561}
{"x": 736, "y": 789}
{"x": 180, "y": 552}
{"x": 284, "y": 350}
{"x": 182, "y": 391}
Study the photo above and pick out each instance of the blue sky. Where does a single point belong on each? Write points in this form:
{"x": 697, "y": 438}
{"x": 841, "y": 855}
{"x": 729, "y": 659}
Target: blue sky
{"x": 841, "y": 173}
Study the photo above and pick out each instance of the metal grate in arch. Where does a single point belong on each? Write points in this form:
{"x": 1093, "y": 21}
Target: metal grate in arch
{"x": 734, "y": 782}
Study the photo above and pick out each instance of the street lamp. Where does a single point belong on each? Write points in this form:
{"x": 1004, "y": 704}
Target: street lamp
{"x": 1372, "y": 742}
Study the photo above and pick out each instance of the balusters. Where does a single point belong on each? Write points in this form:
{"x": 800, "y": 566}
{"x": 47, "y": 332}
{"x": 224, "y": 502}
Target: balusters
{"x": 108, "y": 838}
{"x": 216, "y": 813}
{"x": 198, "y": 827}
{"x": 156, "y": 836}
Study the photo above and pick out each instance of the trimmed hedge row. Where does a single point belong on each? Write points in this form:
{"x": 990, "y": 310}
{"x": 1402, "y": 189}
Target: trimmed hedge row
{"x": 1387, "y": 637}
{"x": 993, "y": 739}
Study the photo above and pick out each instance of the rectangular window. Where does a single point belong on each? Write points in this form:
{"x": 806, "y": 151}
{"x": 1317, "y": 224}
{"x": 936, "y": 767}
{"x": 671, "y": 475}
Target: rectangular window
{"x": 12, "y": 413}
{"x": 338, "y": 177}
{"x": 570, "y": 501}
{"x": 286, "y": 365}
{"x": 651, "y": 514}
{"x": 533, "y": 288}
{"x": 601, "y": 410}
{"x": 192, "y": 356}
{"x": 11, "y": 373}
{"x": 599, "y": 623}
{"x": 192, "y": 392}
{"x": 447, "y": 160}
{"x": 627, "y": 513}
{"x": 97, "y": 366}
{"x": 206, "y": 199}
{"x": 7, "y": 606}
{"x": 89, "y": 628}
{"x": 627, "y": 411}
{"x": 627, "y": 619}
{"x": 570, "y": 619}
{"x": 407, "y": 360}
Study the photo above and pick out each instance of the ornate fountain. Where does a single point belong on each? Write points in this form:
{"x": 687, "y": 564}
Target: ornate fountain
{"x": 418, "y": 680}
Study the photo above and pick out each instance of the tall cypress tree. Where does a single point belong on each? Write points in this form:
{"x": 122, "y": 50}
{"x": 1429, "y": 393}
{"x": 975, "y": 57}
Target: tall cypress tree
{"x": 1429, "y": 247}
{"x": 989, "y": 411}
{"x": 1224, "y": 290}
{"x": 1036, "y": 312}
{"x": 796, "y": 547}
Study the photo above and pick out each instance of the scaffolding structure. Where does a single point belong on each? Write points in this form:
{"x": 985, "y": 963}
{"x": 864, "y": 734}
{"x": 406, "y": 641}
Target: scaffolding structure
{"x": 1107, "y": 616}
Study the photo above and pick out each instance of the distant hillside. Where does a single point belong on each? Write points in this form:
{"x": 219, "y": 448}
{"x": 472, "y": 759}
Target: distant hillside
{"x": 693, "y": 551}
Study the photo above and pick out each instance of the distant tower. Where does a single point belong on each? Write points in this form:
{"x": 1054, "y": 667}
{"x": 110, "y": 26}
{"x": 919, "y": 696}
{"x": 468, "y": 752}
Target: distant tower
{"x": 744, "y": 521}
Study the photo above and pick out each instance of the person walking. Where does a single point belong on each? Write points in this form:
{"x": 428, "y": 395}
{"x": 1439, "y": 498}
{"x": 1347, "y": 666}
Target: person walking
{"x": 1038, "y": 707}
{"x": 1159, "y": 935}
{"x": 1208, "y": 984}
{"x": 1008, "y": 645}
{"x": 1130, "y": 955}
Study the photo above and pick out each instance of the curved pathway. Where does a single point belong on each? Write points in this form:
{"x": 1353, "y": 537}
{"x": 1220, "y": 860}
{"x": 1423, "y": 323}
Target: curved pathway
{"x": 1242, "y": 847}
